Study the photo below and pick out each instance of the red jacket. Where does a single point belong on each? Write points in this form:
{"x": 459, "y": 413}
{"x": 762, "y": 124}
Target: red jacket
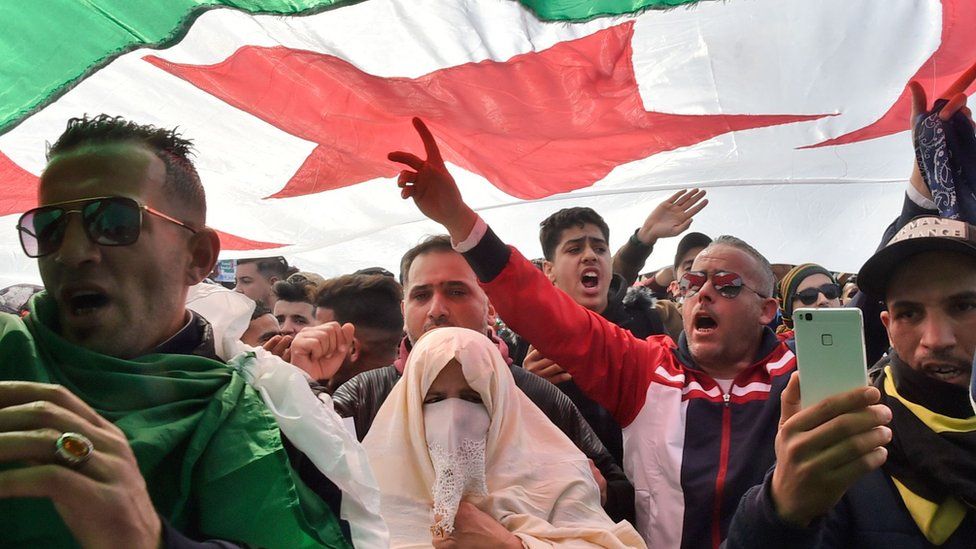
{"x": 690, "y": 449}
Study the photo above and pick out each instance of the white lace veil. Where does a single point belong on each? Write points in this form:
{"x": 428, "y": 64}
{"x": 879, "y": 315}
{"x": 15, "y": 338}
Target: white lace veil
{"x": 539, "y": 484}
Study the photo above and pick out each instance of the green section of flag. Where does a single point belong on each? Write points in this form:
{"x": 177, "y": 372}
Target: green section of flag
{"x": 583, "y": 10}
{"x": 49, "y": 45}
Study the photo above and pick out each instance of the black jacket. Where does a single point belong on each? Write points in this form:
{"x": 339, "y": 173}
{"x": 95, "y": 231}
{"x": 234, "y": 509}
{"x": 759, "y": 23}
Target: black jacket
{"x": 633, "y": 309}
{"x": 362, "y": 396}
{"x": 870, "y": 515}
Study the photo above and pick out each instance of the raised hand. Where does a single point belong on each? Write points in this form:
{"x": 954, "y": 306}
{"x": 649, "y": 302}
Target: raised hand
{"x": 954, "y": 95}
{"x": 103, "y": 501}
{"x": 673, "y": 216}
{"x": 320, "y": 350}
{"x": 824, "y": 449}
{"x": 432, "y": 188}
{"x": 956, "y": 103}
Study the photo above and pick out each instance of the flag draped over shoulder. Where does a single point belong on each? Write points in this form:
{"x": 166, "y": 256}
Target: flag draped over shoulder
{"x": 207, "y": 446}
{"x": 794, "y": 114}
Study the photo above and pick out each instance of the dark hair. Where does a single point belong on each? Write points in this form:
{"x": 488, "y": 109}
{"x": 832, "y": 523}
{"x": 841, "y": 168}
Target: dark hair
{"x": 259, "y": 311}
{"x": 551, "y": 229}
{"x": 687, "y": 243}
{"x": 435, "y": 243}
{"x": 271, "y": 266}
{"x": 295, "y": 291}
{"x": 182, "y": 180}
{"x": 765, "y": 269}
{"x": 372, "y": 301}
{"x": 375, "y": 271}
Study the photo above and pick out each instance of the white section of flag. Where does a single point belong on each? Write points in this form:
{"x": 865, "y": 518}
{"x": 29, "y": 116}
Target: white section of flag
{"x": 827, "y": 205}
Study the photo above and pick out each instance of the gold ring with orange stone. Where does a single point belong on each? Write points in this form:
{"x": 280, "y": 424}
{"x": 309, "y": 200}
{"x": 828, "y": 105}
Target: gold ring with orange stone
{"x": 73, "y": 449}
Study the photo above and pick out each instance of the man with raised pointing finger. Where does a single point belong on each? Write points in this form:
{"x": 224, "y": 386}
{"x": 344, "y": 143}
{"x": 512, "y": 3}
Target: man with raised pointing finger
{"x": 699, "y": 415}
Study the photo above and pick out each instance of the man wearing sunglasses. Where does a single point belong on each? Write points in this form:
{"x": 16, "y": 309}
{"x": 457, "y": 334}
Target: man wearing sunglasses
{"x": 699, "y": 417}
{"x": 895, "y": 464}
{"x": 119, "y": 427}
{"x": 806, "y": 285}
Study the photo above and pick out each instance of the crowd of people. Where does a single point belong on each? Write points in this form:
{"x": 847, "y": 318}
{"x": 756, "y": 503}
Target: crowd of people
{"x": 478, "y": 399}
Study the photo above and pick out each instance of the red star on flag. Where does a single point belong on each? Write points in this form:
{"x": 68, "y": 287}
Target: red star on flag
{"x": 537, "y": 124}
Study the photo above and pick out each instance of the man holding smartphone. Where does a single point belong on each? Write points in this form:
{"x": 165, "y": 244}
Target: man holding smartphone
{"x": 893, "y": 464}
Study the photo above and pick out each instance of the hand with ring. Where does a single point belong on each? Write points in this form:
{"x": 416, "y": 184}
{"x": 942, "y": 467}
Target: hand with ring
{"x": 73, "y": 449}
{"x": 78, "y": 460}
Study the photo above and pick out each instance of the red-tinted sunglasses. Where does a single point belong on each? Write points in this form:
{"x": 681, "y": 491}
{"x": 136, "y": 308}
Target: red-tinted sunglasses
{"x": 728, "y": 284}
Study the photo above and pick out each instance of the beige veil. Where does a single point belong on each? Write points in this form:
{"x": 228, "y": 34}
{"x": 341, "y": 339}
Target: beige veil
{"x": 539, "y": 484}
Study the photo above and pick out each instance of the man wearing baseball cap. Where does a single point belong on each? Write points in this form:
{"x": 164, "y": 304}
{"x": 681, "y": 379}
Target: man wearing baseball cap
{"x": 688, "y": 248}
{"x": 843, "y": 477}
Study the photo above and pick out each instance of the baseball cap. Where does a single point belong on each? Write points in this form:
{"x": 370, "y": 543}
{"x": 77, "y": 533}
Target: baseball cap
{"x": 304, "y": 278}
{"x": 688, "y": 242}
{"x": 922, "y": 234}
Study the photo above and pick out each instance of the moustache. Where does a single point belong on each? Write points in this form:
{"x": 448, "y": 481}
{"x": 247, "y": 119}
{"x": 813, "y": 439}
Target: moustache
{"x": 438, "y": 322}
{"x": 944, "y": 359}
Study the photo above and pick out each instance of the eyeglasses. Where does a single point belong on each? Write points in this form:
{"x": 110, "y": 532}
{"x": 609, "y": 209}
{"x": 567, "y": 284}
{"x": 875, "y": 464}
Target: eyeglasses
{"x": 107, "y": 220}
{"x": 728, "y": 284}
{"x": 809, "y": 296}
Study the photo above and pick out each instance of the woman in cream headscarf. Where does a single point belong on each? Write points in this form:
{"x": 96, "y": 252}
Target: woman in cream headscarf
{"x": 457, "y": 426}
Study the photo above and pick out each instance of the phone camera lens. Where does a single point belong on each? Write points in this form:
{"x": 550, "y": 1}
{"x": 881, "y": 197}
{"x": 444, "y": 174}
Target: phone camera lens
{"x": 808, "y": 316}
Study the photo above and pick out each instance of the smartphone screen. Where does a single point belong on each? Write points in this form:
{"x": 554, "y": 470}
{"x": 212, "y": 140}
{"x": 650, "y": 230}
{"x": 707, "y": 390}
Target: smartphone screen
{"x": 829, "y": 352}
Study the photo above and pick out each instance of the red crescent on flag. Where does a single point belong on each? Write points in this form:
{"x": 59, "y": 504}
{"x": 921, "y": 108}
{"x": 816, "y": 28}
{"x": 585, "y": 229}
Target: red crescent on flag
{"x": 21, "y": 195}
{"x": 19, "y": 185}
{"x": 955, "y": 54}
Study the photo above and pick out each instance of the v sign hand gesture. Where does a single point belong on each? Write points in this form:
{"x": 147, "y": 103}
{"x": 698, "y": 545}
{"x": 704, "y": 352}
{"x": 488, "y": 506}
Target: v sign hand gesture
{"x": 432, "y": 188}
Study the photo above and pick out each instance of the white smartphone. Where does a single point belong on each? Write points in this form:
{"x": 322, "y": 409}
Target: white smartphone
{"x": 829, "y": 352}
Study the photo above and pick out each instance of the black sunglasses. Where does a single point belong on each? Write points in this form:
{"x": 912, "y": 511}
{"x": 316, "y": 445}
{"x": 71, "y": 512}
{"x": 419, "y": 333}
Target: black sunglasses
{"x": 727, "y": 284}
{"x": 107, "y": 220}
{"x": 809, "y": 296}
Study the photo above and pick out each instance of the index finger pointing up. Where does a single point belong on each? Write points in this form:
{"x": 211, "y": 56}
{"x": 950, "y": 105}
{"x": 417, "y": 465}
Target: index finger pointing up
{"x": 430, "y": 145}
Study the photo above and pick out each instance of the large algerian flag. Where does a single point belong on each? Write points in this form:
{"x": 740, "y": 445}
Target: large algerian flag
{"x": 793, "y": 113}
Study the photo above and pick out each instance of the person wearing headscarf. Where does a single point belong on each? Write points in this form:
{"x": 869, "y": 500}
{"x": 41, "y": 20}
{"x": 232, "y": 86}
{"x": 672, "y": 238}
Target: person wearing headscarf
{"x": 456, "y": 442}
{"x": 806, "y": 285}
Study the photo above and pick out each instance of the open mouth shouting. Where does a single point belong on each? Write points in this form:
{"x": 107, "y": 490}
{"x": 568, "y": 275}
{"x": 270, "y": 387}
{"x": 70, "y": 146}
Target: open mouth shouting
{"x": 590, "y": 280}
{"x": 704, "y": 324}
{"x": 84, "y": 301}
